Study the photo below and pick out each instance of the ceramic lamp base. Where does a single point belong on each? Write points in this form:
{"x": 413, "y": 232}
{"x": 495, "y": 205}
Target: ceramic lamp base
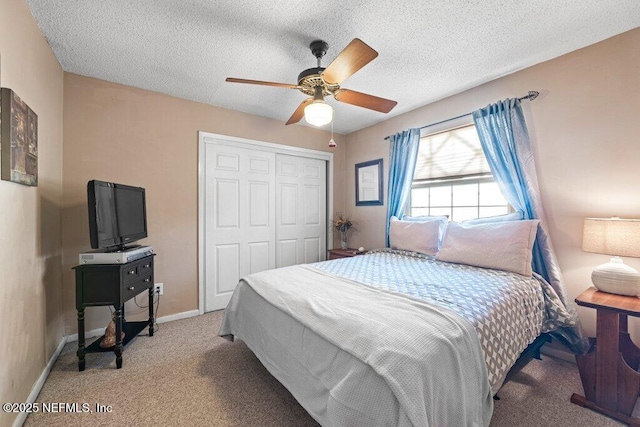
{"x": 615, "y": 277}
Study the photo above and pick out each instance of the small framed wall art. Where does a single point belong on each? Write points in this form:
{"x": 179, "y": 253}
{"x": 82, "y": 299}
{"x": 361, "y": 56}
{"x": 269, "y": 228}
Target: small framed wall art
{"x": 18, "y": 140}
{"x": 369, "y": 183}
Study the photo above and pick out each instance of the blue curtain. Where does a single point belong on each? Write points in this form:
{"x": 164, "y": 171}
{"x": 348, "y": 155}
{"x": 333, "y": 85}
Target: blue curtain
{"x": 507, "y": 147}
{"x": 403, "y": 154}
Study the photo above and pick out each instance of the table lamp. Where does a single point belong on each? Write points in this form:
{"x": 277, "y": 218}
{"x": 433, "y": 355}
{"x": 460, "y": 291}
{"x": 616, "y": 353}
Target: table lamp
{"x": 617, "y": 237}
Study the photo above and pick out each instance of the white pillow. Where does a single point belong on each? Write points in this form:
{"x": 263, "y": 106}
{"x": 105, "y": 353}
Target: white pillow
{"x": 514, "y": 216}
{"x": 500, "y": 245}
{"x": 416, "y": 236}
{"x": 425, "y": 218}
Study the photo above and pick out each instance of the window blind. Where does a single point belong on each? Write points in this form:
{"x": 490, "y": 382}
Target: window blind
{"x": 452, "y": 153}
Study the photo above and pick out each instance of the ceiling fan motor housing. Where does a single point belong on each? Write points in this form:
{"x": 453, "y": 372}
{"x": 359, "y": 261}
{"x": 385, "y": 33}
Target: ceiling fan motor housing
{"x": 310, "y": 78}
{"x": 309, "y": 72}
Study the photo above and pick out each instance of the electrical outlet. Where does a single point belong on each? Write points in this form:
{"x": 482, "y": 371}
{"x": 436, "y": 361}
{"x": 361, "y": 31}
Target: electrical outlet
{"x": 159, "y": 287}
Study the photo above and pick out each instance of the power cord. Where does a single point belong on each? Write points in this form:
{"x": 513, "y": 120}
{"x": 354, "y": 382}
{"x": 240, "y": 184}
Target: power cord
{"x": 156, "y": 302}
{"x": 155, "y": 316}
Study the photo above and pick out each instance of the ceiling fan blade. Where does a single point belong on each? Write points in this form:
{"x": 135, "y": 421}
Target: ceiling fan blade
{"x": 299, "y": 113}
{"x": 355, "y": 56}
{"x": 260, "y": 82}
{"x": 363, "y": 100}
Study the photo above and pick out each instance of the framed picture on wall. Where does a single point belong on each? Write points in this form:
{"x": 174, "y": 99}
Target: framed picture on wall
{"x": 18, "y": 140}
{"x": 369, "y": 183}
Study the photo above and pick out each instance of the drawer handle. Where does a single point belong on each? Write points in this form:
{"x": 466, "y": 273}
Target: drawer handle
{"x": 131, "y": 272}
{"x": 146, "y": 266}
{"x": 131, "y": 288}
{"x": 147, "y": 279}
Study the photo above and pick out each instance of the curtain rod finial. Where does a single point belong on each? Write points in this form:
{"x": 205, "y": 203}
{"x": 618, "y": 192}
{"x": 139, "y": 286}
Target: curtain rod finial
{"x": 533, "y": 94}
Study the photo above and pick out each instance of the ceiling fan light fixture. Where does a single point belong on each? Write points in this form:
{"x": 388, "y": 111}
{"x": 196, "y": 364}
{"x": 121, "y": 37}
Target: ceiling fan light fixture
{"x": 318, "y": 113}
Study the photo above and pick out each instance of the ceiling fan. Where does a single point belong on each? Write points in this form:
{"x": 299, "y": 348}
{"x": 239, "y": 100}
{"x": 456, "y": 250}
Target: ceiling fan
{"x": 319, "y": 82}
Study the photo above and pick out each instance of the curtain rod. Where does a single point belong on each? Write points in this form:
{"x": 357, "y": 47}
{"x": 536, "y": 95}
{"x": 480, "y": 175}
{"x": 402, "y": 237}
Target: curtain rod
{"x": 533, "y": 94}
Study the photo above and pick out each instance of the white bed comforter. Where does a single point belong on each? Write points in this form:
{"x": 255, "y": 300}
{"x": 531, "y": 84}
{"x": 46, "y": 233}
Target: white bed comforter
{"x": 429, "y": 358}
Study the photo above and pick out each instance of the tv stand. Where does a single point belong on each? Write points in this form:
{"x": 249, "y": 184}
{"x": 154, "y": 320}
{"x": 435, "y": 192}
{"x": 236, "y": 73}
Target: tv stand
{"x": 113, "y": 284}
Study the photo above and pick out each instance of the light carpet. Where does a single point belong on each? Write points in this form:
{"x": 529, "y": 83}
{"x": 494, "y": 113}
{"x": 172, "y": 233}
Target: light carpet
{"x": 186, "y": 375}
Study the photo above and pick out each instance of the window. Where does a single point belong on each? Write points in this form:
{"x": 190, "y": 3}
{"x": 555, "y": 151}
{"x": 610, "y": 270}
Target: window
{"x": 453, "y": 178}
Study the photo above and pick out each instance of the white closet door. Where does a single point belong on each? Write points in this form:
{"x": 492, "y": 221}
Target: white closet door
{"x": 239, "y": 218}
{"x": 301, "y": 210}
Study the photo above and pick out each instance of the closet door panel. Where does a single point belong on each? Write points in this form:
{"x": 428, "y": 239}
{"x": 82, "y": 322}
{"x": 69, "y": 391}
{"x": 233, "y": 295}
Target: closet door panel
{"x": 239, "y": 218}
{"x": 301, "y": 210}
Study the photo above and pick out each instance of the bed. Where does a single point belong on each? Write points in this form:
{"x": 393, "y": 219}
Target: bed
{"x": 391, "y": 338}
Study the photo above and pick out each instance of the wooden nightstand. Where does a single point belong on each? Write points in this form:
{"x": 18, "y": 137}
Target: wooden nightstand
{"x": 343, "y": 253}
{"x": 609, "y": 372}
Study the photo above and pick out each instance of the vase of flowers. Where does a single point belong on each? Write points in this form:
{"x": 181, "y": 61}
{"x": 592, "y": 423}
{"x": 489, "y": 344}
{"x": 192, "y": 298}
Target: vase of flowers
{"x": 343, "y": 240}
{"x": 343, "y": 224}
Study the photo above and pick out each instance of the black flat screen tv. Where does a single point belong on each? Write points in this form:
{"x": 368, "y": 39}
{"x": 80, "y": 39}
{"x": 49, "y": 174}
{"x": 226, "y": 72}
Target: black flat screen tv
{"x": 117, "y": 214}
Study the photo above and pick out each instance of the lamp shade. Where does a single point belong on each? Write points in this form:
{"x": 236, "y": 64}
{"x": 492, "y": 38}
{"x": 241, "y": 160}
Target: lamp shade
{"x": 612, "y": 236}
{"x": 318, "y": 113}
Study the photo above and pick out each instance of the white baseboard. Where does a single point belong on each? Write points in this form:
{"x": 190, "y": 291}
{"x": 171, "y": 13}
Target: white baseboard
{"x": 178, "y": 316}
{"x": 89, "y": 334}
{"x": 37, "y": 386}
{"x": 558, "y": 354}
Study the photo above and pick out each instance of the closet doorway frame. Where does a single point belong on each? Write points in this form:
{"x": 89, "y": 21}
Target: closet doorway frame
{"x": 234, "y": 141}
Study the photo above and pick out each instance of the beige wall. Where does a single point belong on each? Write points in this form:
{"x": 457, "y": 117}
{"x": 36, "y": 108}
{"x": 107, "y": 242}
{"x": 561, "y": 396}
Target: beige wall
{"x": 585, "y": 129}
{"x": 31, "y": 324}
{"x": 133, "y": 136}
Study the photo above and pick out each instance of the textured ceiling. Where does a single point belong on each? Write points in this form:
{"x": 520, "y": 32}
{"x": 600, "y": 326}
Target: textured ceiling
{"x": 428, "y": 49}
